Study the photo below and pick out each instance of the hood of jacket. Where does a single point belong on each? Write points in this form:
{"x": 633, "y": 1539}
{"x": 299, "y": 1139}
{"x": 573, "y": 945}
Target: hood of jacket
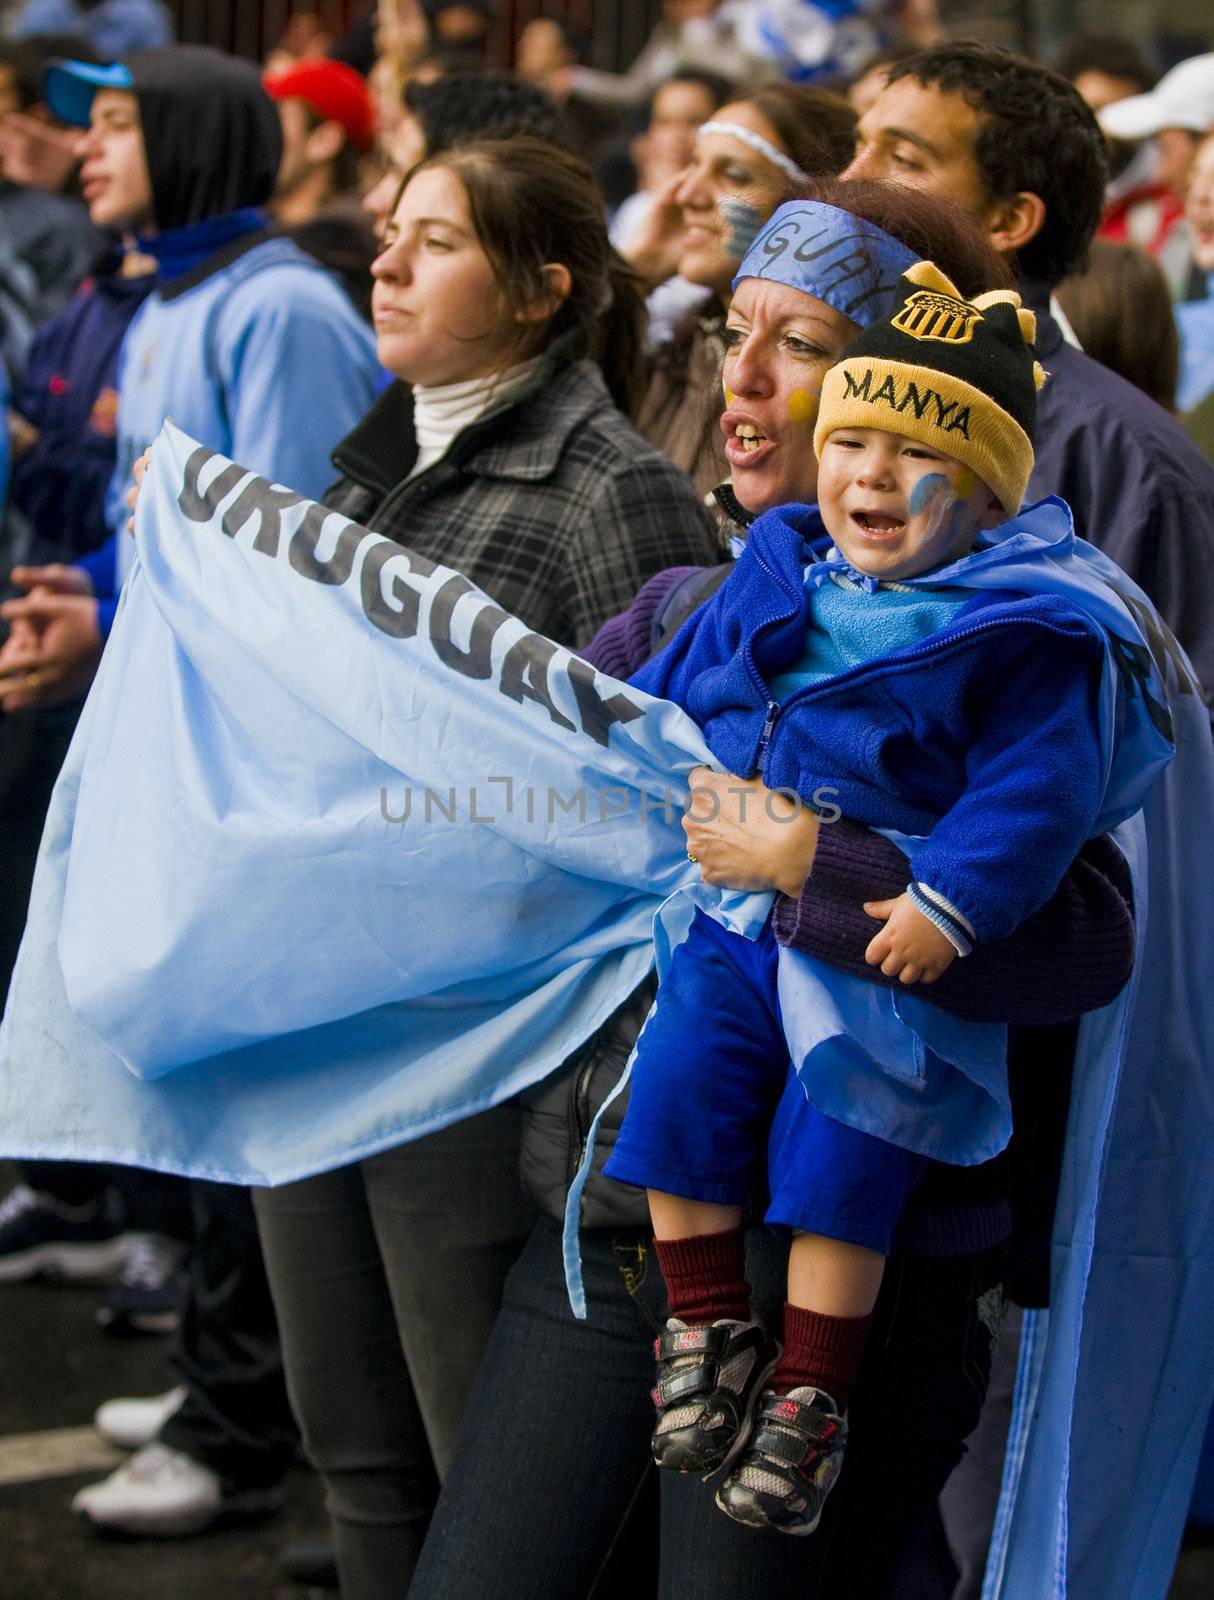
{"x": 212, "y": 134}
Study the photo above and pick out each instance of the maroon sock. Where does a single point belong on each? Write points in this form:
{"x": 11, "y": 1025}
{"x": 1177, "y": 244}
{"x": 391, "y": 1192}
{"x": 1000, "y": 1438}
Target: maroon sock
{"x": 820, "y": 1352}
{"x": 705, "y": 1277}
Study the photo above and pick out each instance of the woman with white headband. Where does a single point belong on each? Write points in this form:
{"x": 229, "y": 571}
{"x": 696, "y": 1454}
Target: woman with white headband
{"x": 554, "y": 1452}
{"x": 751, "y": 155}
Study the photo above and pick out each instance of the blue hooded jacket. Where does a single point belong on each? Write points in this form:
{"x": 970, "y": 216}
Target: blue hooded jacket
{"x": 986, "y": 735}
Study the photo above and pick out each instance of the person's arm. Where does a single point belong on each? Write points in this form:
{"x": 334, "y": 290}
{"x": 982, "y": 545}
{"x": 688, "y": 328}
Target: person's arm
{"x": 625, "y": 642}
{"x": 1074, "y": 954}
{"x": 655, "y": 62}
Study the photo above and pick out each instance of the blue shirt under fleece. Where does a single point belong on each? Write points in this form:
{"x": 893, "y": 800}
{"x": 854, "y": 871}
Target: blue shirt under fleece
{"x": 257, "y": 354}
{"x": 852, "y": 623}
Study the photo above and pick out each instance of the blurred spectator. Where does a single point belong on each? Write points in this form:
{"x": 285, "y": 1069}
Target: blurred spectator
{"x": 328, "y": 126}
{"x": 1105, "y": 67}
{"x": 1195, "y": 319}
{"x": 35, "y": 147}
{"x": 460, "y": 32}
{"x": 676, "y": 111}
{"x": 112, "y": 27}
{"x": 48, "y": 233}
{"x": 691, "y": 33}
{"x": 64, "y": 433}
{"x": 305, "y": 38}
{"x": 470, "y": 105}
{"x": 812, "y": 41}
{"x": 1121, "y": 313}
{"x": 545, "y": 49}
{"x": 1174, "y": 116}
{"x": 746, "y": 160}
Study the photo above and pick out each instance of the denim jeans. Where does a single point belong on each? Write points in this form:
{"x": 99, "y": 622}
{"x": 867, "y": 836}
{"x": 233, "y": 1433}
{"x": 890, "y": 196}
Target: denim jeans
{"x": 387, "y": 1275}
{"x": 553, "y": 1456}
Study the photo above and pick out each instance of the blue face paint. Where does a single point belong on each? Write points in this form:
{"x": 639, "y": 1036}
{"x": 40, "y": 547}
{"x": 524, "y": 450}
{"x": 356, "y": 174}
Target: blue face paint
{"x": 839, "y": 259}
{"x": 925, "y": 491}
{"x": 742, "y": 221}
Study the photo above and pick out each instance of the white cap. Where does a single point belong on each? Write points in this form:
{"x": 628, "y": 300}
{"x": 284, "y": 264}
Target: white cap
{"x": 1183, "y": 98}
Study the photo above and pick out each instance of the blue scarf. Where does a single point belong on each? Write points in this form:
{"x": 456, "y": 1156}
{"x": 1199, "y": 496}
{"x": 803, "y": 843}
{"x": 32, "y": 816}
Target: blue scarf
{"x": 179, "y": 250}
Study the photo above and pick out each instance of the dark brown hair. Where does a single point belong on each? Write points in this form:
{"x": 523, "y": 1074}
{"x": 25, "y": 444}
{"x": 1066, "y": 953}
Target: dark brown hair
{"x": 933, "y": 228}
{"x": 816, "y": 127}
{"x": 532, "y": 204}
{"x": 1121, "y": 311}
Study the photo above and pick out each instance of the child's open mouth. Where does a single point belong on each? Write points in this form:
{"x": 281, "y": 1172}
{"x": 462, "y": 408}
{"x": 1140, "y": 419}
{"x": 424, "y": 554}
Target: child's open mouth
{"x": 874, "y": 522}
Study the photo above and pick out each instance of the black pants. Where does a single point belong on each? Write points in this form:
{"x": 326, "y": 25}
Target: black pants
{"x": 554, "y": 1455}
{"x": 236, "y": 1417}
{"x": 388, "y": 1275}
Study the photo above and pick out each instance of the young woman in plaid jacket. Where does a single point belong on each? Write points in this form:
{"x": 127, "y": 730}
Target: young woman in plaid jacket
{"x": 501, "y": 451}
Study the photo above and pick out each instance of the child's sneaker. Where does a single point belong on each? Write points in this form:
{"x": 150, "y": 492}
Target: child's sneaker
{"x": 790, "y": 1463}
{"x": 709, "y": 1379}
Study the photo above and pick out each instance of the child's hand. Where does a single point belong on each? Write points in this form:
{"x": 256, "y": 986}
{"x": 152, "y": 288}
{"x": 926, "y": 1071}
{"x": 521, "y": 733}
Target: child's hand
{"x": 909, "y": 947}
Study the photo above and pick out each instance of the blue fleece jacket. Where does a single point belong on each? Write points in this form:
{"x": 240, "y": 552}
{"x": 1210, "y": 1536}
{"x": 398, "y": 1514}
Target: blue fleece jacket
{"x": 985, "y": 736}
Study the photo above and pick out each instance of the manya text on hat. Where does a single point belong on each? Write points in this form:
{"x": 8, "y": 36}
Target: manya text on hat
{"x": 957, "y": 375}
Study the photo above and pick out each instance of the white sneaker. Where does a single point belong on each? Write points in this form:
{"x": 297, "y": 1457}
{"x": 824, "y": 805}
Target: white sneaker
{"x": 128, "y": 1424}
{"x": 162, "y": 1493}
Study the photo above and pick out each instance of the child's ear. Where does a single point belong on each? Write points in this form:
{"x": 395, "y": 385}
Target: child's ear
{"x": 993, "y": 514}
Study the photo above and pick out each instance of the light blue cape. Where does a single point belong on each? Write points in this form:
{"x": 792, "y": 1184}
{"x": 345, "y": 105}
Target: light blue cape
{"x": 230, "y": 902}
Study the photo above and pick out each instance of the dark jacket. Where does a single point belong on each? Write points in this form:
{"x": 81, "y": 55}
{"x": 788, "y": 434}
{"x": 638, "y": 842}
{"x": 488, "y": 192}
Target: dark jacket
{"x": 53, "y": 236}
{"x": 550, "y": 501}
{"x": 69, "y": 393}
{"x": 1138, "y": 486}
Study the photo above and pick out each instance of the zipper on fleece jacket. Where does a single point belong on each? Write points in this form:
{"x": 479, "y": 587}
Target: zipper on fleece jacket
{"x": 937, "y": 644}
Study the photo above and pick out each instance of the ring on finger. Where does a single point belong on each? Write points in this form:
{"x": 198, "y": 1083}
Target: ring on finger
{"x": 33, "y": 678}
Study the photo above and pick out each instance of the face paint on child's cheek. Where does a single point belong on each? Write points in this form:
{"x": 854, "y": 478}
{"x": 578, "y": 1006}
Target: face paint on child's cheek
{"x": 802, "y": 406}
{"x": 928, "y": 489}
{"x": 742, "y": 222}
{"x": 728, "y": 395}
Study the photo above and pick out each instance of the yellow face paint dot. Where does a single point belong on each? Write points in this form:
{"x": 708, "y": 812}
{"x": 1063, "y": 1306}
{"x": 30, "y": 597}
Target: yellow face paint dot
{"x": 802, "y": 406}
{"x": 965, "y": 482}
{"x": 728, "y": 395}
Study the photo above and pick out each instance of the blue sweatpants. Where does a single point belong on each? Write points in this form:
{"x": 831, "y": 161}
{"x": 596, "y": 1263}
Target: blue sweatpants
{"x": 713, "y": 1087}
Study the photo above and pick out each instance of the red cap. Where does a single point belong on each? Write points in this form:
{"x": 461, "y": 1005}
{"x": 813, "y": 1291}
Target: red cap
{"x": 334, "y": 91}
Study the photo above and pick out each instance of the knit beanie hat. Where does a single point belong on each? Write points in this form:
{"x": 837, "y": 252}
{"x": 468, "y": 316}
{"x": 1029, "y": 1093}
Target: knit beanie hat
{"x": 958, "y": 375}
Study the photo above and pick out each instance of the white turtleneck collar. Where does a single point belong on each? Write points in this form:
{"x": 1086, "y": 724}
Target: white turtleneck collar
{"x": 444, "y": 410}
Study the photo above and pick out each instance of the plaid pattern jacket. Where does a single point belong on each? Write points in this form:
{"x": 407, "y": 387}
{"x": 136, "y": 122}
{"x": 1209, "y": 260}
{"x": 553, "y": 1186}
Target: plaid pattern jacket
{"x": 550, "y": 502}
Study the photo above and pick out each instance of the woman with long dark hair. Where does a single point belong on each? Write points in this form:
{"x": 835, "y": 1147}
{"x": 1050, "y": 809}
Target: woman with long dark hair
{"x": 501, "y": 451}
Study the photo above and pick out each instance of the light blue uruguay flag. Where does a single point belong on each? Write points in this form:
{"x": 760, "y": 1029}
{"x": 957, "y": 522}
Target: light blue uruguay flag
{"x": 342, "y": 853}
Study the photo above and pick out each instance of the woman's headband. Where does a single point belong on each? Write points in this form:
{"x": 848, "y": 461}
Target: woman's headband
{"x": 850, "y": 264}
{"x": 762, "y": 146}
